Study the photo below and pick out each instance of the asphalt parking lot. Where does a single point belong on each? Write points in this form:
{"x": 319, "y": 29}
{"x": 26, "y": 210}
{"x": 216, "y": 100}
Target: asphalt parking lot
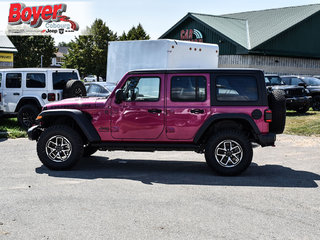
{"x": 162, "y": 195}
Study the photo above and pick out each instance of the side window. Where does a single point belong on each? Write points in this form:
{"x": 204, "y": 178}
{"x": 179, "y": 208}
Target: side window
{"x": 146, "y": 89}
{"x": 236, "y": 88}
{"x": 295, "y": 81}
{"x": 286, "y": 80}
{"x": 95, "y": 89}
{"x": 13, "y": 80}
{"x": 61, "y": 78}
{"x": 36, "y": 80}
{"x": 188, "y": 89}
{"x": 0, "y": 79}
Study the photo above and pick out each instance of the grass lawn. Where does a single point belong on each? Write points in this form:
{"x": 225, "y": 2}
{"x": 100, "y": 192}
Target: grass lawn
{"x": 9, "y": 128}
{"x": 296, "y": 124}
{"x": 307, "y": 124}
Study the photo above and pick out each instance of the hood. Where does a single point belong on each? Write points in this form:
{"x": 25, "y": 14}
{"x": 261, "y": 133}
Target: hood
{"x": 77, "y": 103}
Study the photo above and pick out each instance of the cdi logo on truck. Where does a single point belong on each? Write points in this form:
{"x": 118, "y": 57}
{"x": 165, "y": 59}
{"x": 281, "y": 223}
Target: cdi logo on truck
{"x": 34, "y": 16}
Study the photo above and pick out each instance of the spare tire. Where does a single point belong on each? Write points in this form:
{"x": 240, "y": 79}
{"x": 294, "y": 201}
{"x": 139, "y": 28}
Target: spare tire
{"x": 74, "y": 88}
{"x": 277, "y": 103}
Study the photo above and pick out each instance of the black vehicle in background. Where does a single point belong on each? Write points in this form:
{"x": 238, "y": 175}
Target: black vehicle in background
{"x": 311, "y": 84}
{"x": 297, "y": 97}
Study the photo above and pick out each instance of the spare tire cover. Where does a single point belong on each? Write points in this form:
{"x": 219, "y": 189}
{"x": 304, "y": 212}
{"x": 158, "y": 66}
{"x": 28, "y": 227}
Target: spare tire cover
{"x": 277, "y": 103}
{"x": 74, "y": 88}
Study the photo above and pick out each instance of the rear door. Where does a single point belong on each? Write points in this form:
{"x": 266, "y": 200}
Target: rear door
{"x": 36, "y": 86}
{"x": 188, "y": 104}
{"x": 12, "y": 90}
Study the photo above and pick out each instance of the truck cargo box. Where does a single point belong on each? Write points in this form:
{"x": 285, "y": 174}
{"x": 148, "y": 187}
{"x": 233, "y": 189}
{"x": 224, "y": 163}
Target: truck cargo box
{"x": 124, "y": 56}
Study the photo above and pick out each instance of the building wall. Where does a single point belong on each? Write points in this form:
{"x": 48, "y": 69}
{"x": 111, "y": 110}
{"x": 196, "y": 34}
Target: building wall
{"x": 272, "y": 64}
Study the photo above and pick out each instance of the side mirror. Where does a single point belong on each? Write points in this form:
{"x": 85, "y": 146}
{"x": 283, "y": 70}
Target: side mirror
{"x": 302, "y": 84}
{"x": 119, "y": 96}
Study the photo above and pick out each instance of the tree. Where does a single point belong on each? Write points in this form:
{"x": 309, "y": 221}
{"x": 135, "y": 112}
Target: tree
{"x": 88, "y": 53}
{"x": 31, "y": 48}
{"x": 135, "y": 33}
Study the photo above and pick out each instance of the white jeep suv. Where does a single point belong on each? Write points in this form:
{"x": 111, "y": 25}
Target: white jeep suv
{"x": 24, "y": 91}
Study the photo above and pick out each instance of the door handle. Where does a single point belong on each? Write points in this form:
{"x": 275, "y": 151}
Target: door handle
{"x": 16, "y": 94}
{"x": 154, "y": 111}
{"x": 197, "y": 111}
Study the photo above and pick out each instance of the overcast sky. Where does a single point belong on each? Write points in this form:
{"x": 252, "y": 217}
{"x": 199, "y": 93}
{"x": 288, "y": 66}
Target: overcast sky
{"x": 155, "y": 16}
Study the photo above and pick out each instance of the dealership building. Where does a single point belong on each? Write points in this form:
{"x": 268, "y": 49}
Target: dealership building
{"x": 282, "y": 40}
{"x": 7, "y": 50}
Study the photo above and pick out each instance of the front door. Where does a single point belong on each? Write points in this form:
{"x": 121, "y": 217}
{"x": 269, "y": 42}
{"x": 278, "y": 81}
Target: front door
{"x": 141, "y": 115}
{"x": 188, "y": 104}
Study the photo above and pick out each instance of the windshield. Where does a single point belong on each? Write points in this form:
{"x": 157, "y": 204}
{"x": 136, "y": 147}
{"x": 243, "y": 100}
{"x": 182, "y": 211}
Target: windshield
{"x": 311, "y": 81}
{"x": 274, "y": 80}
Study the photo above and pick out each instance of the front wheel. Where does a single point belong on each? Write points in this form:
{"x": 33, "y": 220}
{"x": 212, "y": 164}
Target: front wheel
{"x": 228, "y": 152}
{"x": 316, "y": 103}
{"x": 59, "y": 147}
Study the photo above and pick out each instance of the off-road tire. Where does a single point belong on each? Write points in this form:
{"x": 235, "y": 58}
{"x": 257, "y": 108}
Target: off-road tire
{"x": 316, "y": 103}
{"x": 74, "y": 88}
{"x": 89, "y": 150}
{"x": 277, "y": 103}
{"x": 45, "y": 146}
{"x": 242, "y": 145}
{"x": 27, "y": 115}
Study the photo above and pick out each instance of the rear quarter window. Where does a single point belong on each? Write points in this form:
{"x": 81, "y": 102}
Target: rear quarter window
{"x": 236, "y": 89}
{"x": 36, "y": 80}
{"x": 59, "y": 79}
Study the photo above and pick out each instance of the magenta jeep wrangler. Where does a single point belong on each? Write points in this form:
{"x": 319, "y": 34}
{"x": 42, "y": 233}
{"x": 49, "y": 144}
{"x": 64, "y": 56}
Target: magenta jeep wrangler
{"x": 218, "y": 112}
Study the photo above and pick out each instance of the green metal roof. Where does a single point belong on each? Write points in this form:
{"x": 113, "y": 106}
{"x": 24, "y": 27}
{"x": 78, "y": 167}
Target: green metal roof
{"x": 251, "y": 29}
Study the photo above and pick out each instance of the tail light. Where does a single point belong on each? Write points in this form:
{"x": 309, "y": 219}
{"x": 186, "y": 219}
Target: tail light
{"x": 51, "y": 97}
{"x": 268, "y": 116}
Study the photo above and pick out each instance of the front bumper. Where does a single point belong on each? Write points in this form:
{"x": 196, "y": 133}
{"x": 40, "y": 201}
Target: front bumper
{"x": 294, "y": 102}
{"x": 267, "y": 139}
{"x": 34, "y": 132}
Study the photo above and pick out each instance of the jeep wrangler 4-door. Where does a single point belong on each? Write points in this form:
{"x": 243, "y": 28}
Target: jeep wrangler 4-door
{"x": 24, "y": 91}
{"x": 216, "y": 112}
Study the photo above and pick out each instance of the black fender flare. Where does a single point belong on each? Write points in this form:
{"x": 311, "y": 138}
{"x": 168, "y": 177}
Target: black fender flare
{"x": 78, "y": 116}
{"x": 225, "y": 116}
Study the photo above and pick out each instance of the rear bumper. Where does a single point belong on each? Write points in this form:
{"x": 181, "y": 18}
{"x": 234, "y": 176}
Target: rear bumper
{"x": 267, "y": 139}
{"x": 34, "y": 133}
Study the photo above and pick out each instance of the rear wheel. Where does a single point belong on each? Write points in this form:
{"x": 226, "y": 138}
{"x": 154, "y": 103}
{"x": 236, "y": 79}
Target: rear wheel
{"x": 59, "y": 147}
{"x": 228, "y": 152}
{"x": 27, "y": 115}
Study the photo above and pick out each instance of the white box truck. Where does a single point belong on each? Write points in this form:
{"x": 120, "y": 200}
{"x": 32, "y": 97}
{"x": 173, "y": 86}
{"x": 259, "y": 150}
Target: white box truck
{"x": 124, "y": 56}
